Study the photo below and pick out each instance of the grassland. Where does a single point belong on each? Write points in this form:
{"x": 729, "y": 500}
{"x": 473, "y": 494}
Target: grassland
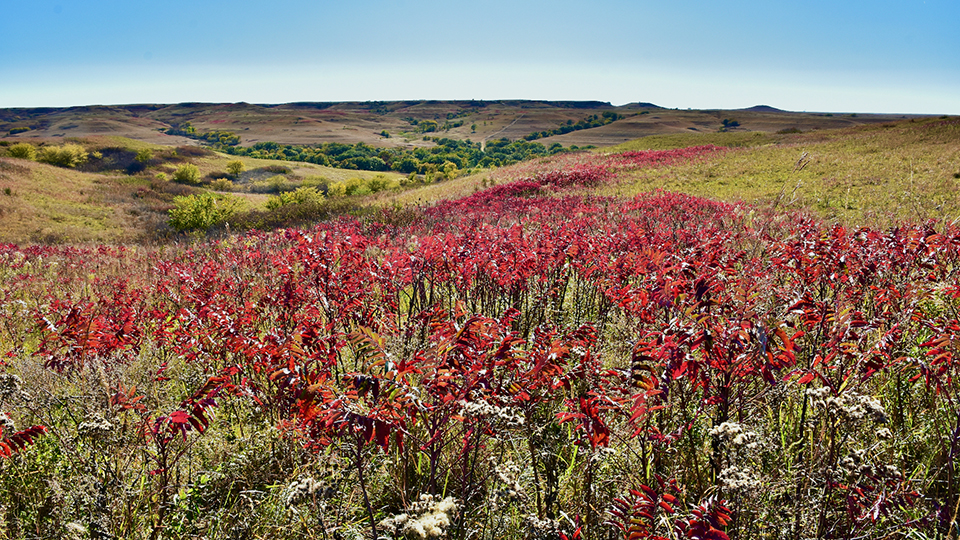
{"x": 864, "y": 175}
{"x": 41, "y": 203}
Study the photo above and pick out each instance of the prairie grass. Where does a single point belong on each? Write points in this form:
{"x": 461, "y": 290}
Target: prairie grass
{"x": 866, "y": 175}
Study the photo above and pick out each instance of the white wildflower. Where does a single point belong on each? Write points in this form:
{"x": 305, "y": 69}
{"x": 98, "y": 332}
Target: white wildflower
{"x": 483, "y": 409}
{"x": 94, "y": 426}
{"x": 735, "y": 434}
{"x": 426, "y": 518}
{"x": 734, "y": 478}
{"x": 9, "y": 385}
{"x": 856, "y": 407}
{"x": 307, "y": 488}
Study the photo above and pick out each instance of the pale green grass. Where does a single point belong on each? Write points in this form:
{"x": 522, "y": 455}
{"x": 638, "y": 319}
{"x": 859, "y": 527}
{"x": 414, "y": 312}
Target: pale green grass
{"x": 866, "y": 175}
{"x": 683, "y": 140}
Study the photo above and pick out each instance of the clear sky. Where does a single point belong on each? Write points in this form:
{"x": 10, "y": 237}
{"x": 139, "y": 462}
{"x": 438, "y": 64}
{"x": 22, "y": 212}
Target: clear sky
{"x": 896, "y": 56}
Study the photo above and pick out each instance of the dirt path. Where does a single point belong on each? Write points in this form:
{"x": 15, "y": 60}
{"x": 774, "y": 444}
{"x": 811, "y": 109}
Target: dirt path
{"x": 483, "y": 143}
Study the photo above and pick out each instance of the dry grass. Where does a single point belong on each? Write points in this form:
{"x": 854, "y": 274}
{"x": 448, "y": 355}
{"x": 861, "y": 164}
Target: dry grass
{"x": 42, "y": 203}
{"x": 866, "y": 175}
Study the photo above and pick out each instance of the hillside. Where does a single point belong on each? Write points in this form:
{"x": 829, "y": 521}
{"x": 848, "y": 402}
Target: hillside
{"x": 346, "y": 122}
{"x": 875, "y": 173}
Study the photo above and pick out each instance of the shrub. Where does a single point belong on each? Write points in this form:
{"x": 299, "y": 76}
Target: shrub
{"x": 303, "y": 195}
{"x": 144, "y": 155}
{"x": 319, "y": 182}
{"x": 23, "y": 151}
{"x": 350, "y": 186}
{"x": 69, "y": 155}
{"x": 20, "y": 129}
{"x": 221, "y": 184}
{"x": 378, "y": 183}
{"x": 187, "y": 174}
{"x": 338, "y": 189}
{"x": 192, "y": 151}
{"x": 235, "y": 168}
{"x": 277, "y": 169}
{"x": 201, "y": 211}
{"x": 274, "y": 184}
{"x": 217, "y": 175}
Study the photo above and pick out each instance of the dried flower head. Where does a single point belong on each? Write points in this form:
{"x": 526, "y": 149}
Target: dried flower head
{"x": 6, "y": 423}
{"x": 425, "y": 518}
{"x": 736, "y": 435}
{"x": 856, "y": 407}
{"x": 734, "y": 478}
{"x": 479, "y": 408}
{"x": 541, "y": 528}
{"x": 307, "y": 488}
{"x": 94, "y": 426}
{"x": 10, "y": 385}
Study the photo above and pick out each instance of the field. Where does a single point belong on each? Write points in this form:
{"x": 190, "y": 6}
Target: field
{"x": 702, "y": 336}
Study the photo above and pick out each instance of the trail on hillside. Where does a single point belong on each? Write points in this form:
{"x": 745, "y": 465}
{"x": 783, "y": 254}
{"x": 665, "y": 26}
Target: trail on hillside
{"x": 483, "y": 143}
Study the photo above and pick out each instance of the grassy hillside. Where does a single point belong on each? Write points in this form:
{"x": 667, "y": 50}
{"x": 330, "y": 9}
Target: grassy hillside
{"x": 114, "y": 198}
{"x": 404, "y": 121}
{"x": 863, "y": 174}
{"x": 868, "y": 174}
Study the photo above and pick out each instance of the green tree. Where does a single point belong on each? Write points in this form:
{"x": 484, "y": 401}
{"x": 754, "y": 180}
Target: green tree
{"x": 187, "y": 174}
{"x": 235, "y": 168}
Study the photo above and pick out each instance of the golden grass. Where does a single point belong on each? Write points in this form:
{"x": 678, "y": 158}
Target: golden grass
{"x": 51, "y": 204}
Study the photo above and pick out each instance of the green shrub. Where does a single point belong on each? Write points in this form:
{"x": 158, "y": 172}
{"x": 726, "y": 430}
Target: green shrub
{"x": 23, "y": 151}
{"x": 277, "y": 169}
{"x": 274, "y": 184}
{"x": 20, "y": 129}
{"x": 378, "y": 183}
{"x": 201, "y": 212}
{"x": 144, "y": 155}
{"x": 221, "y": 184}
{"x": 303, "y": 195}
{"x": 69, "y": 155}
{"x": 319, "y": 182}
{"x": 235, "y": 168}
{"x": 187, "y": 174}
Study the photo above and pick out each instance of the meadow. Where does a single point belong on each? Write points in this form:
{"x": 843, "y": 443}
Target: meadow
{"x": 618, "y": 344}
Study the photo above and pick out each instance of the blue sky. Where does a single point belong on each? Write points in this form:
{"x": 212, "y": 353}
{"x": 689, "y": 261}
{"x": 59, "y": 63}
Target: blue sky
{"x": 837, "y": 56}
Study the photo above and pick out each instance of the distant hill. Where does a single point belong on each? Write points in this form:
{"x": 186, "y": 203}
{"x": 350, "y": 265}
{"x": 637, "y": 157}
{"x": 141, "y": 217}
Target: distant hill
{"x": 764, "y": 108}
{"x": 404, "y": 123}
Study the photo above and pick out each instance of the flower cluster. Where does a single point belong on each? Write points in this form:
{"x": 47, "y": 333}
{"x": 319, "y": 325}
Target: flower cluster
{"x": 735, "y": 479}
{"x": 426, "y": 518}
{"x": 735, "y": 434}
{"x": 509, "y": 491}
{"x": 307, "y": 488}
{"x": 94, "y": 426}
{"x": 857, "y": 407}
{"x": 10, "y": 385}
{"x": 6, "y": 423}
{"x": 510, "y": 417}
